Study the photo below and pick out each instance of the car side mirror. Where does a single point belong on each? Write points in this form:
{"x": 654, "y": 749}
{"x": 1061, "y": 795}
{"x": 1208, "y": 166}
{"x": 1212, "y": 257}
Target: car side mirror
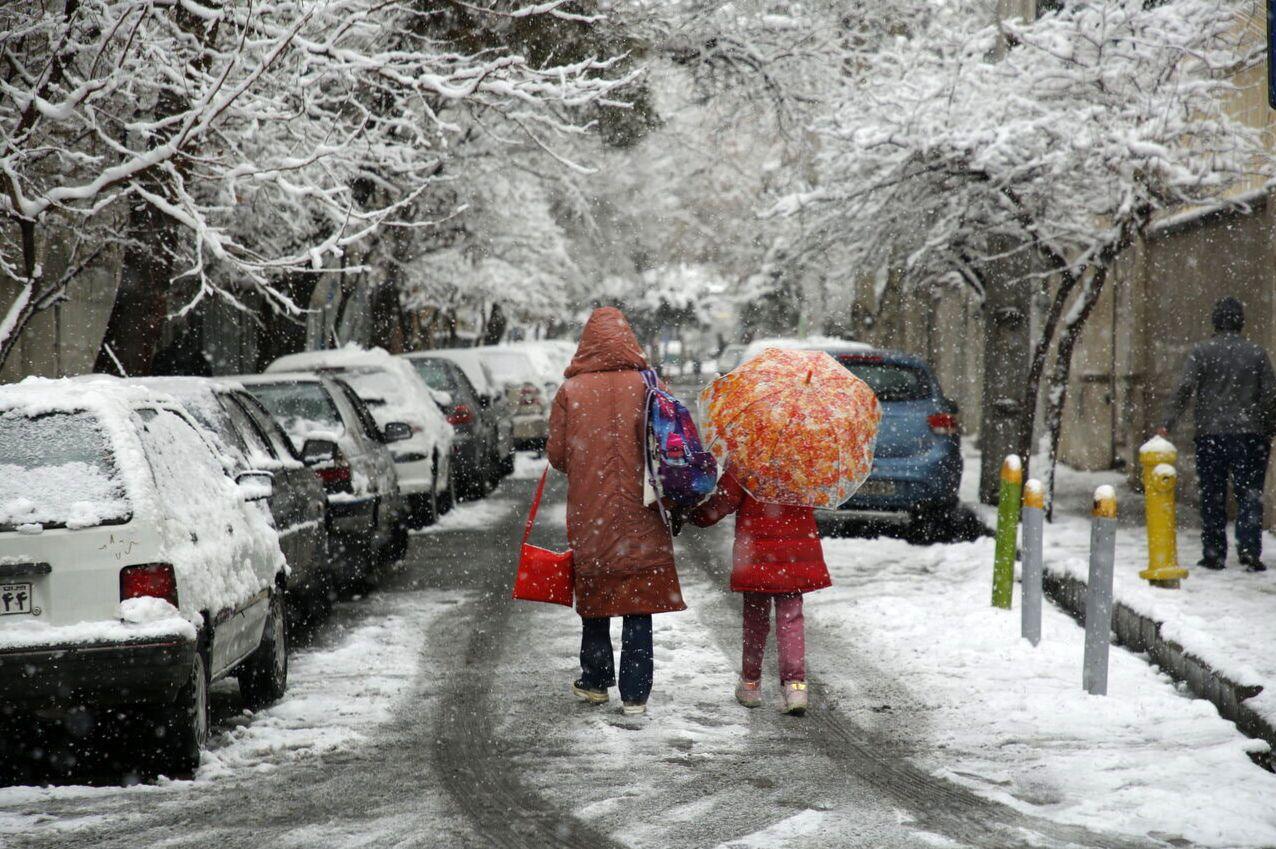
{"x": 396, "y": 432}
{"x": 255, "y": 485}
{"x": 317, "y": 451}
{"x": 956, "y": 407}
{"x": 485, "y": 401}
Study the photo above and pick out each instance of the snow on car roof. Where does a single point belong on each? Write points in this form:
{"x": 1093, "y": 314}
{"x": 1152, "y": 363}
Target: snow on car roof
{"x": 806, "y": 343}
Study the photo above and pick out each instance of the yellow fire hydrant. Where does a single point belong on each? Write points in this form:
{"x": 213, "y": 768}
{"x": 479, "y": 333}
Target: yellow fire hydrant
{"x": 1157, "y": 457}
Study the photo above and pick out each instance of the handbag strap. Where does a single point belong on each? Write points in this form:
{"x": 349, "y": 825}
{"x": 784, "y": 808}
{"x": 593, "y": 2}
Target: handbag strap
{"x": 536, "y": 506}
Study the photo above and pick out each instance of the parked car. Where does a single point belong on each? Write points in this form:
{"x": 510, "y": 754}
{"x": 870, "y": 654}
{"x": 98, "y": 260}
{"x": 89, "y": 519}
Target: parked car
{"x": 134, "y": 571}
{"x": 917, "y": 463}
{"x": 521, "y": 371}
{"x": 492, "y": 399}
{"x": 248, "y": 438}
{"x": 408, "y": 414}
{"x": 474, "y": 443}
{"x": 335, "y": 434}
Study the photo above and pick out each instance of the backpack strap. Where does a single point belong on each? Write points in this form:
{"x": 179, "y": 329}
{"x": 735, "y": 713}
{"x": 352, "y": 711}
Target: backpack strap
{"x": 649, "y": 378}
{"x": 653, "y": 386}
{"x": 536, "y": 506}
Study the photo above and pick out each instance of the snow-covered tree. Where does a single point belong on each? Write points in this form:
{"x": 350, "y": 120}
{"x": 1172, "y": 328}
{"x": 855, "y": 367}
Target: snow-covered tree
{"x": 229, "y": 143}
{"x": 975, "y": 150}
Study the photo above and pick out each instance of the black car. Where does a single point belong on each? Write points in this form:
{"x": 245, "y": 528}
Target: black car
{"x": 474, "y": 442}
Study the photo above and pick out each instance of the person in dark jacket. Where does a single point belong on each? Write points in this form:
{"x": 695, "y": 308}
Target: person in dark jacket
{"x": 1235, "y": 391}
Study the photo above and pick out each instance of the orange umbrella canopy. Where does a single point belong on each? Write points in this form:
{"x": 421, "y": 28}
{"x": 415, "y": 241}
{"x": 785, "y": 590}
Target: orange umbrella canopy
{"x": 797, "y": 427}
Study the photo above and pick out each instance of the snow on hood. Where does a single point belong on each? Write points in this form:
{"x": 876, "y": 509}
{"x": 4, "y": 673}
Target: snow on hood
{"x": 812, "y": 343}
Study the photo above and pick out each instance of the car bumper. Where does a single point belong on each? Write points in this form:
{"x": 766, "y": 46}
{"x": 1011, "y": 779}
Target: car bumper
{"x": 906, "y": 484}
{"x": 530, "y": 431}
{"x": 351, "y": 516}
{"x": 150, "y": 671}
{"x": 416, "y": 475}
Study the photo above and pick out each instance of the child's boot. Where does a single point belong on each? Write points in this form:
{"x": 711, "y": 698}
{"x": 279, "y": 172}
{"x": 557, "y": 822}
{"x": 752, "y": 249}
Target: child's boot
{"x": 795, "y": 698}
{"x": 748, "y": 693}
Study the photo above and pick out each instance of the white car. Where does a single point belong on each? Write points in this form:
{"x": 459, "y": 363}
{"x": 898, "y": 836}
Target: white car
{"x": 396, "y": 396}
{"x": 526, "y": 374}
{"x": 133, "y": 570}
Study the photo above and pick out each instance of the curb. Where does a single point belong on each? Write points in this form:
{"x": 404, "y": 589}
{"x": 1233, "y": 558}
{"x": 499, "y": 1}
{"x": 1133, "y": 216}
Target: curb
{"x": 1142, "y": 635}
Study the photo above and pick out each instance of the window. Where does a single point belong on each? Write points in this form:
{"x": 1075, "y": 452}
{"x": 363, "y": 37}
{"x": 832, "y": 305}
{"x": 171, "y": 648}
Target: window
{"x": 370, "y": 427}
{"x": 301, "y": 407}
{"x": 436, "y": 374}
{"x": 58, "y": 470}
{"x": 889, "y": 381}
{"x": 192, "y": 486}
{"x": 279, "y": 440}
{"x": 260, "y": 453}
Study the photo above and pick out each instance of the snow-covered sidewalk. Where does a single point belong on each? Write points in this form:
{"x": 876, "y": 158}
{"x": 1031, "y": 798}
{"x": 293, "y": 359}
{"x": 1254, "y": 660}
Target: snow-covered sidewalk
{"x": 1012, "y": 722}
{"x": 1225, "y": 619}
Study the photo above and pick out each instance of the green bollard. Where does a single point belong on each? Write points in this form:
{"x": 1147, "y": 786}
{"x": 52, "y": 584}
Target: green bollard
{"x": 1003, "y": 564}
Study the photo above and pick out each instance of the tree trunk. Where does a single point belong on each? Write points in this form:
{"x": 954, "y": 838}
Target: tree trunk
{"x": 284, "y": 333}
{"x": 141, "y": 304}
{"x": 1006, "y": 307}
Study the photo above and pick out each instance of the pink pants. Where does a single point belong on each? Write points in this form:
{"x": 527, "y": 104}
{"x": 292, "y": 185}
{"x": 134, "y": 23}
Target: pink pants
{"x": 790, "y": 636}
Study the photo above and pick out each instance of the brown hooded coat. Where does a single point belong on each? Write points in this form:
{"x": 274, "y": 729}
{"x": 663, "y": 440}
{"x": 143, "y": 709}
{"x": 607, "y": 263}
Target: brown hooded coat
{"x": 623, "y": 551}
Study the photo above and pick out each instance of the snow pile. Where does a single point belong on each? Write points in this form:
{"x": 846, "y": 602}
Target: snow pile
{"x": 1013, "y": 723}
{"x": 475, "y": 515}
{"x": 336, "y": 696}
{"x": 528, "y": 466}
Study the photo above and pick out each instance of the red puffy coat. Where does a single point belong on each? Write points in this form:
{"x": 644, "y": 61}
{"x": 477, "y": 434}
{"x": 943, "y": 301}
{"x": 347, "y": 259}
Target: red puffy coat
{"x": 777, "y": 547}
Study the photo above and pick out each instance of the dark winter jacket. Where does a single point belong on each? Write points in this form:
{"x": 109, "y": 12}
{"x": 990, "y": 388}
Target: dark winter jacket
{"x": 777, "y": 546}
{"x": 1234, "y": 385}
{"x": 597, "y": 430}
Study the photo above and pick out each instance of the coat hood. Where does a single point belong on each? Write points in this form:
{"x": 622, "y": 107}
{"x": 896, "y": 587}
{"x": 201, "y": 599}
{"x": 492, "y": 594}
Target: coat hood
{"x": 607, "y": 344}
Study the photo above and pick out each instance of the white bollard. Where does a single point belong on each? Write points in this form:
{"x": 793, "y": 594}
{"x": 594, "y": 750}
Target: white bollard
{"x": 1034, "y": 514}
{"x": 1098, "y": 600}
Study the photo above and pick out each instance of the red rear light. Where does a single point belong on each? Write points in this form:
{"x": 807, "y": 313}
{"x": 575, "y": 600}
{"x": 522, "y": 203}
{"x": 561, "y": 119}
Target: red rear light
{"x": 155, "y": 580}
{"x": 461, "y": 415}
{"x": 335, "y": 477}
{"x": 944, "y": 424}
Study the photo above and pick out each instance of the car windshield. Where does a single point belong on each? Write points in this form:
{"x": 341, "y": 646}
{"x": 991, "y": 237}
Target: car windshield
{"x": 58, "y": 471}
{"x": 435, "y": 374}
{"x": 889, "y": 381}
{"x": 376, "y": 387}
{"x": 302, "y": 408}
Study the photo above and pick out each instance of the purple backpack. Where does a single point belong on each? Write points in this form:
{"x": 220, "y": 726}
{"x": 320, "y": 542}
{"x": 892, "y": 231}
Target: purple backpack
{"x": 683, "y": 473}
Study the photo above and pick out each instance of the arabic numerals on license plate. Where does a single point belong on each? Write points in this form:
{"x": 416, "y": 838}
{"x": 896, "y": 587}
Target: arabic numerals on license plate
{"x": 15, "y": 598}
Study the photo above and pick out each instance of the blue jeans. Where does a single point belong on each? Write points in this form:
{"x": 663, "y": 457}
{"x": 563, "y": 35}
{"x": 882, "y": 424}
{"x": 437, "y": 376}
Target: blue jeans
{"x": 597, "y": 660}
{"x": 1243, "y": 458}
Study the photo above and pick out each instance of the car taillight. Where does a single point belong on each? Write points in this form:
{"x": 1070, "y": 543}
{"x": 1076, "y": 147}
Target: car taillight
{"x": 335, "y": 476}
{"x": 461, "y": 415}
{"x": 155, "y": 580}
{"x": 943, "y": 424}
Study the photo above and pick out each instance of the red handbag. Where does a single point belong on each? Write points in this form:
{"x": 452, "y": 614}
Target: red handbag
{"x": 543, "y": 575}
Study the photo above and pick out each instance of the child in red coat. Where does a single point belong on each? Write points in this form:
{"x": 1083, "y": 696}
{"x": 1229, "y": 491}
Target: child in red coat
{"x": 777, "y": 558}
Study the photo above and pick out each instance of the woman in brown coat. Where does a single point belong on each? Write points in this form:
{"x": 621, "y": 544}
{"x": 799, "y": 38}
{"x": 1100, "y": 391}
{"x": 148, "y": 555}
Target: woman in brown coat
{"x": 623, "y": 551}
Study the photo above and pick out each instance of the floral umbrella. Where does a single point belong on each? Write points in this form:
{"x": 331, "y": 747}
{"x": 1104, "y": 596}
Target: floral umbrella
{"x": 798, "y": 427}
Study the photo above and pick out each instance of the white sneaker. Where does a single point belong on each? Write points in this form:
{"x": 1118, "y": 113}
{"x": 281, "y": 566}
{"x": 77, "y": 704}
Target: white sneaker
{"x": 795, "y": 699}
{"x": 749, "y": 693}
{"x": 634, "y": 708}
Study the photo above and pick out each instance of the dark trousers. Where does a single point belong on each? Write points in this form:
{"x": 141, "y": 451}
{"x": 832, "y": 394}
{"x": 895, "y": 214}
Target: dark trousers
{"x": 597, "y": 660}
{"x": 1243, "y": 458}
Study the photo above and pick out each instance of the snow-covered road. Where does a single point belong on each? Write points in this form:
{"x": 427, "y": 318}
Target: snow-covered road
{"x": 435, "y": 713}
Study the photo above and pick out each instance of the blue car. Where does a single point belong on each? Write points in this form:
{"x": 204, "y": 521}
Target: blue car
{"x": 917, "y": 464}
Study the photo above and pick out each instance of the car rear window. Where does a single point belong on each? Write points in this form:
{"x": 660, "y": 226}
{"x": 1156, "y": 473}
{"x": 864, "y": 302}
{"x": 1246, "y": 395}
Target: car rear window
{"x": 889, "y": 381}
{"x": 435, "y": 374}
{"x": 302, "y": 408}
{"x": 58, "y": 471}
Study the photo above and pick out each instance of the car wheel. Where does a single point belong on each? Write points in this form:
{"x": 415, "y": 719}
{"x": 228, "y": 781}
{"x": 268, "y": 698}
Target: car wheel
{"x": 182, "y": 730}
{"x": 507, "y": 465}
{"x": 447, "y": 499}
{"x": 931, "y": 524}
{"x": 398, "y": 547}
{"x": 263, "y": 677}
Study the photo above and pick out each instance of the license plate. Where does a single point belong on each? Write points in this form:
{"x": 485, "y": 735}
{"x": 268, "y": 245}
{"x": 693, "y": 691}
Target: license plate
{"x": 877, "y": 488}
{"x": 15, "y": 599}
